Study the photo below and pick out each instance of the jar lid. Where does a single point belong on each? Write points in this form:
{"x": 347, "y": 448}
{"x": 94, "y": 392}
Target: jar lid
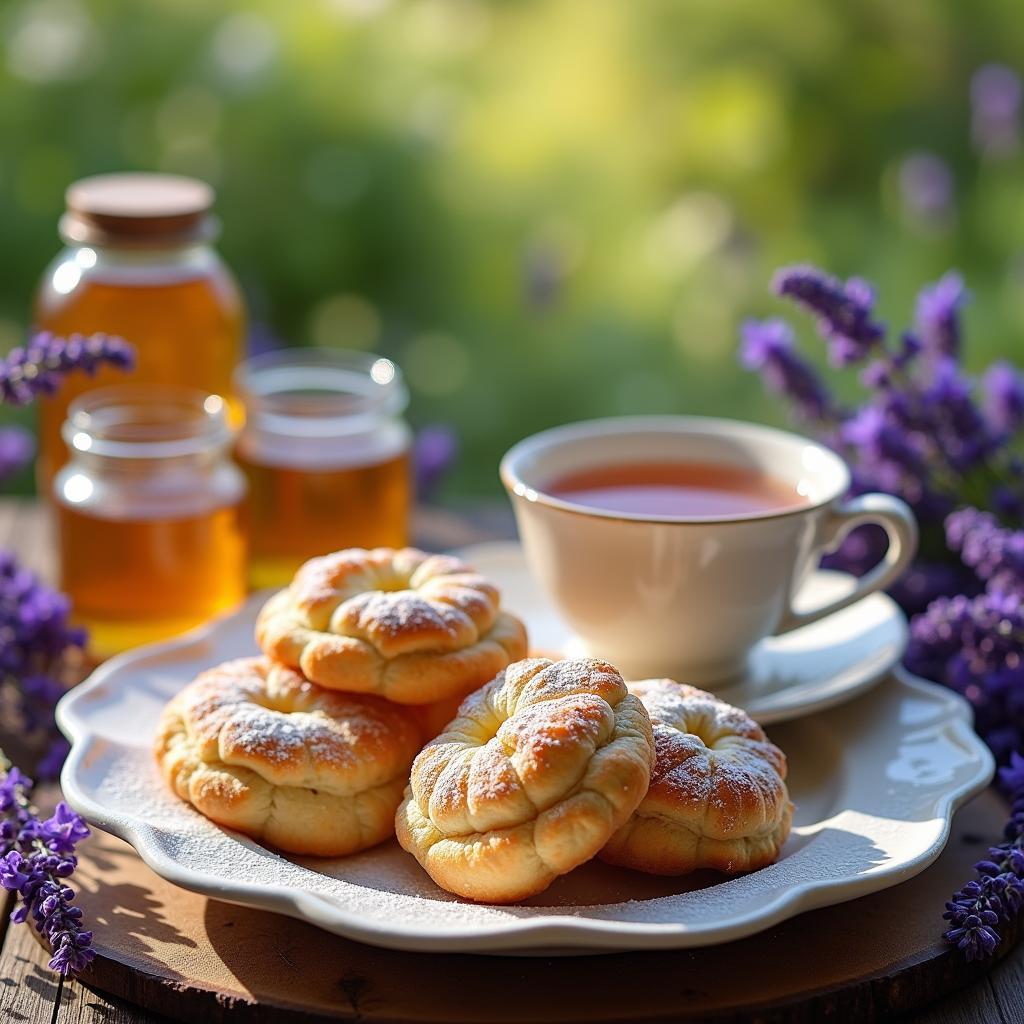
{"x": 138, "y": 209}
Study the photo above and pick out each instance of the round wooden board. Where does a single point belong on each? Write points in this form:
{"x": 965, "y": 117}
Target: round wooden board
{"x": 196, "y": 959}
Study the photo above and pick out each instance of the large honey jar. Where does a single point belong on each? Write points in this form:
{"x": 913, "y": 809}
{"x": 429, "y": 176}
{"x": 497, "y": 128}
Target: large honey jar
{"x": 139, "y": 262}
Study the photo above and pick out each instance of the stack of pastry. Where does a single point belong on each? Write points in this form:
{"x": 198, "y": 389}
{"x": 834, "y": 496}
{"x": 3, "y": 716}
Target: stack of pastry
{"x": 365, "y": 655}
{"x": 531, "y": 767}
{"x": 554, "y": 763}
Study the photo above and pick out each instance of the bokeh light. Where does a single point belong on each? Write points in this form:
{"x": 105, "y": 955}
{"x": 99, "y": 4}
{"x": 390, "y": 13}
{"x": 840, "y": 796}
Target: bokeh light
{"x": 546, "y": 210}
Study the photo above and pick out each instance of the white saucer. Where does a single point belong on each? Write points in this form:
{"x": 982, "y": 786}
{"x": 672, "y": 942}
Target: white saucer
{"x": 816, "y": 667}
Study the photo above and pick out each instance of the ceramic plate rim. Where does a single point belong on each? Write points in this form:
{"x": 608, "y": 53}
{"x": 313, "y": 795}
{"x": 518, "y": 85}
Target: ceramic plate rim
{"x": 509, "y": 934}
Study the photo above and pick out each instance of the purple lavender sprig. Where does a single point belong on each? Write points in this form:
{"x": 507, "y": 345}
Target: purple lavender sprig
{"x": 996, "y": 896}
{"x": 17, "y": 446}
{"x": 38, "y": 368}
{"x": 36, "y": 639}
{"x": 434, "y": 452}
{"x": 996, "y": 96}
{"x": 924, "y": 430}
{"x": 37, "y": 857}
{"x": 975, "y": 644}
{"x": 768, "y": 348}
{"x": 1003, "y": 389}
{"x": 845, "y": 311}
{"x": 938, "y": 315}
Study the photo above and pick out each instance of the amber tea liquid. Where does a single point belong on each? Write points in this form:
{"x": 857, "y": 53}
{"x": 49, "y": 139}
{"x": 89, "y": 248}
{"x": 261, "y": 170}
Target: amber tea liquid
{"x": 677, "y": 489}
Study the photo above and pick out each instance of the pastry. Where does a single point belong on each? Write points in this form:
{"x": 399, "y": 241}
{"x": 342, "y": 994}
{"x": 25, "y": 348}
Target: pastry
{"x": 432, "y": 719}
{"x": 718, "y": 795}
{"x": 412, "y": 627}
{"x": 257, "y": 748}
{"x": 532, "y": 778}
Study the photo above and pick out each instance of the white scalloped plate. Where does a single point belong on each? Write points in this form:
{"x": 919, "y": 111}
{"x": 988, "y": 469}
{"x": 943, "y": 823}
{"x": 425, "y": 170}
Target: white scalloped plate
{"x": 875, "y": 782}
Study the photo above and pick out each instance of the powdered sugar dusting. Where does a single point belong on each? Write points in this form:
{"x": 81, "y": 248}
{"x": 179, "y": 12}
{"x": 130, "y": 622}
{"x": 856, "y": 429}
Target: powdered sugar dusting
{"x": 272, "y": 721}
{"x": 714, "y": 766}
{"x": 396, "y": 600}
{"x": 398, "y": 612}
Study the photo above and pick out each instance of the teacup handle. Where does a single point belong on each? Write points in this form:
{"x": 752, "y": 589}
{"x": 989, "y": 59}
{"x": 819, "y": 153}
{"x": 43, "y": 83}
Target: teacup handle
{"x": 895, "y": 517}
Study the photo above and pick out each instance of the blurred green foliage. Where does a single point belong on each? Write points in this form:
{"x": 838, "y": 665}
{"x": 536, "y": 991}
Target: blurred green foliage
{"x": 545, "y": 209}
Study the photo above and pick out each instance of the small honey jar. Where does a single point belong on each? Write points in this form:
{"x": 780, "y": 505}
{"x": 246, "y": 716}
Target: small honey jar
{"x": 139, "y": 262}
{"x": 150, "y": 514}
{"x": 326, "y": 454}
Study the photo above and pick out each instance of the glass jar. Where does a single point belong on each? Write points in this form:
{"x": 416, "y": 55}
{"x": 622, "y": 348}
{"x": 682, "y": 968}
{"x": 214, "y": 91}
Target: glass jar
{"x": 326, "y": 454}
{"x": 150, "y": 514}
{"x": 139, "y": 263}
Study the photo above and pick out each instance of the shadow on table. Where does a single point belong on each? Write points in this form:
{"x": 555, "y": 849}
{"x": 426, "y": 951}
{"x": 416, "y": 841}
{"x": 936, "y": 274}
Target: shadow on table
{"x": 126, "y": 909}
{"x": 296, "y": 967}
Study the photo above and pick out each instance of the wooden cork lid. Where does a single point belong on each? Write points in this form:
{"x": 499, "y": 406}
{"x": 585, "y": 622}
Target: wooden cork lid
{"x": 138, "y": 209}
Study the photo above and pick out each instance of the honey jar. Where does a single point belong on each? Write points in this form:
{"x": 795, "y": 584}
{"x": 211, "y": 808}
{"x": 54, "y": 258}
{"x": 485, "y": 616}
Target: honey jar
{"x": 150, "y": 514}
{"x": 326, "y": 454}
{"x": 138, "y": 262}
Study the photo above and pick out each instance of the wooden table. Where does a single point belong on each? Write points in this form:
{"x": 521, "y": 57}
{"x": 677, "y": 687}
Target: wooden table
{"x": 27, "y": 987}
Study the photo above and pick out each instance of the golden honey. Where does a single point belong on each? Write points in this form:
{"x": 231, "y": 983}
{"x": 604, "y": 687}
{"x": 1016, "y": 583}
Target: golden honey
{"x": 133, "y": 582}
{"x": 183, "y": 332}
{"x": 138, "y": 264}
{"x": 297, "y": 514}
{"x": 150, "y": 515}
{"x": 326, "y": 456}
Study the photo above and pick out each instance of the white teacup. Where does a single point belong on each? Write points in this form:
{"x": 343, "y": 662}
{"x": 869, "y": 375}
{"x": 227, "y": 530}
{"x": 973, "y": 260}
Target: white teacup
{"x": 688, "y": 597}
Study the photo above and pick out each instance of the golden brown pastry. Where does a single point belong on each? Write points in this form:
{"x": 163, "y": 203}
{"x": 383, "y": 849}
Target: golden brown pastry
{"x": 718, "y": 795}
{"x": 255, "y": 747}
{"x": 531, "y": 779}
{"x": 412, "y": 627}
{"x": 432, "y": 719}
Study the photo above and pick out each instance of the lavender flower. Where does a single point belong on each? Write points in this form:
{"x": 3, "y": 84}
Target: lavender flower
{"x": 17, "y": 446}
{"x": 996, "y": 896}
{"x": 37, "y": 369}
{"x": 994, "y": 553}
{"x": 926, "y": 186}
{"x": 436, "y": 448}
{"x": 975, "y": 644}
{"x": 920, "y": 433}
{"x": 938, "y": 315}
{"x": 768, "y": 348}
{"x": 262, "y": 338}
{"x": 34, "y": 625}
{"x": 37, "y": 856}
{"x": 995, "y": 110}
{"x": 1003, "y": 387}
{"x": 877, "y": 433}
{"x": 35, "y": 641}
{"x": 950, "y": 416}
{"x": 974, "y": 912}
{"x": 845, "y": 311}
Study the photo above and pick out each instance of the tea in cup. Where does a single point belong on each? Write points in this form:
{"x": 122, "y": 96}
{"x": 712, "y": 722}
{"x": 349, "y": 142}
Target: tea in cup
{"x": 672, "y": 545}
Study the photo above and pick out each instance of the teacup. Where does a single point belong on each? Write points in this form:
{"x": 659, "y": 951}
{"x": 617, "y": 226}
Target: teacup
{"x": 689, "y": 597}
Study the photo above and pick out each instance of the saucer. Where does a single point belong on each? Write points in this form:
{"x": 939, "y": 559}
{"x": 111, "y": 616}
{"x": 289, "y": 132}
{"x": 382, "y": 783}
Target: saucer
{"x": 812, "y": 668}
